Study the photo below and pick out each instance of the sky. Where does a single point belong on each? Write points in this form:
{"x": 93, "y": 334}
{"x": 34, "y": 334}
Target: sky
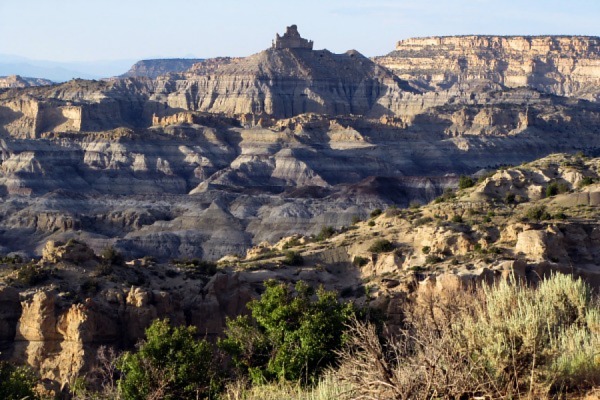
{"x": 94, "y": 30}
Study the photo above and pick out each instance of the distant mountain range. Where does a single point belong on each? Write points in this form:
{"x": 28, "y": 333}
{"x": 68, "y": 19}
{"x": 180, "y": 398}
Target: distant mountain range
{"x": 64, "y": 71}
{"x": 61, "y": 71}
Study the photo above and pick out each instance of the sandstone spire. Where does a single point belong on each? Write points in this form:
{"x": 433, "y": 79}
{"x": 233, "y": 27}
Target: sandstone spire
{"x": 291, "y": 39}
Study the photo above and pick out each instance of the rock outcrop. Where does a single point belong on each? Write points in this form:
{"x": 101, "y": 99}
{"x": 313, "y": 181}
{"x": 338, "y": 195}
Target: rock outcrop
{"x": 291, "y": 39}
{"x": 57, "y": 324}
{"x": 560, "y": 65}
{"x": 476, "y": 235}
{"x": 16, "y": 81}
{"x": 155, "y": 68}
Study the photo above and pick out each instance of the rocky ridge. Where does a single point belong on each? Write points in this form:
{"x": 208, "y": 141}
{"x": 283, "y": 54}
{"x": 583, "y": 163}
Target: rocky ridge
{"x": 155, "y": 68}
{"x": 559, "y": 65}
{"x": 16, "y": 81}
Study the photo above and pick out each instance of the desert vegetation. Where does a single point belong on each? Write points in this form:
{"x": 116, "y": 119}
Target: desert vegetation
{"x": 17, "y": 383}
{"x": 501, "y": 341}
{"x": 455, "y": 299}
{"x": 506, "y": 340}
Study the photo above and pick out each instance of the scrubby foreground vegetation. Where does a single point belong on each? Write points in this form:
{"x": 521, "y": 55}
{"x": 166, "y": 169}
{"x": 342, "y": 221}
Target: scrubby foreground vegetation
{"x": 507, "y": 340}
{"x": 501, "y": 341}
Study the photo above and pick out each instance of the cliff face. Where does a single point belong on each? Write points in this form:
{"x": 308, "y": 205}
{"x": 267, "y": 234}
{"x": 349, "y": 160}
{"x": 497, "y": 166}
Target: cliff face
{"x": 283, "y": 82}
{"x": 564, "y": 66}
{"x": 57, "y": 324}
{"x": 235, "y": 151}
{"x": 239, "y": 150}
{"x": 155, "y": 68}
{"x": 195, "y": 185}
{"x": 59, "y": 336}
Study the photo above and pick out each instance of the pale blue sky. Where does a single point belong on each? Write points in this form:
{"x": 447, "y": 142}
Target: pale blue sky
{"x": 88, "y": 30}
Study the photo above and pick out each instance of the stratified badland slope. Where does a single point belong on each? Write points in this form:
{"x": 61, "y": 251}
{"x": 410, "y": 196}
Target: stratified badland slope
{"x": 240, "y": 150}
{"x": 522, "y": 222}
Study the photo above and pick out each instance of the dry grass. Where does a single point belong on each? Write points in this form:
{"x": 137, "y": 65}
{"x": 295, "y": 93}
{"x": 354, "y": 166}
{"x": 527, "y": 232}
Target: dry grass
{"x": 504, "y": 341}
{"x": 329, "y": 387}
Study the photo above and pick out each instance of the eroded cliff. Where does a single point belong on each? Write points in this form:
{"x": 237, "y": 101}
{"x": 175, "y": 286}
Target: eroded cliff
{"x": 240, "y": 150}
{"x": 560, "y": 65}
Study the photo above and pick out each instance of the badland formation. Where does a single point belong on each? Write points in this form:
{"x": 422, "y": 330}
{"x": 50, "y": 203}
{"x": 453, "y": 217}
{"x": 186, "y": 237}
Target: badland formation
{"x": 235, "y": 159}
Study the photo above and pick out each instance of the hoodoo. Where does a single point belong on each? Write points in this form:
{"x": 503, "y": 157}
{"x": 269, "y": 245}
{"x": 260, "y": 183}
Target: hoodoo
{"x": 291, "y": 39}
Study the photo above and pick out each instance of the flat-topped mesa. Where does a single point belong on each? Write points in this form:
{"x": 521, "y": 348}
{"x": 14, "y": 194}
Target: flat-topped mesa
{"x": 291, "y": 39}
{"x": 560, "y": 65}
{"x": 529, "y": 45}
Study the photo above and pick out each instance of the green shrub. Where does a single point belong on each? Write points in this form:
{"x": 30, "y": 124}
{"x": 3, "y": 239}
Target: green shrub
{"x": 325, "y": 233}
{"x": 457, "y": 218}
{"x": 329, "y": 387}
{"x": 560, "y": 215}
{"x": 422, "y": 221}
{"x": 508, "y": 341}
{"x": 432, "y": 259}
{"x": 494, "y": 250}
{"x": 360, "y": 261}
{"x": 465, "y": 182}
{"x": 31, "y": 275}
{"x": 586, "y": 181}
{"x": 110, "y": 256}
{"x": 14, "y": 259}
{"x": 196, "y": 268}
{"x": 448, "y": 195}
{"x": 169, "y": 364}
{"x": 291, "y": 335}
{"x": 537, "y": 213}
{"x": 547, "y": 332}
{"x": 104, "y": 269}
{"x": 17, "y": 383}
{"x": 555, "y": 188}
{"x": 381, "y": 246}
{"x": 376, "y": 212}
{"x": 371, "y": 223}
{"x": 414, "y": 205}
{"x": 293, "y": 242}
{"x": 425, "y": 249}
{"x": 292, "y": 258}
{"x": 393, "y": 211}
{"x": 552, "y": 189}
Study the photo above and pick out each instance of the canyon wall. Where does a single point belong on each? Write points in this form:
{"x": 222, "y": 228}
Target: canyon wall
{"x": 286, "y": 140}
{"x": 560, "y": 65}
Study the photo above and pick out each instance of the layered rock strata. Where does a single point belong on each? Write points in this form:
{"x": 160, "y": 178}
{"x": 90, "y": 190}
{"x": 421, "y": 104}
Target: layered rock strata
{"x": 207, "y": 162}
{"x": 560, "y": 65}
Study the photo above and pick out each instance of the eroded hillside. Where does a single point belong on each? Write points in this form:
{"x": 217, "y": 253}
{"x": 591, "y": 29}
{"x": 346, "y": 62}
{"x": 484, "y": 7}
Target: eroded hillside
{"x": 235, "y": 151}
{"x": 523, "y": 222}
